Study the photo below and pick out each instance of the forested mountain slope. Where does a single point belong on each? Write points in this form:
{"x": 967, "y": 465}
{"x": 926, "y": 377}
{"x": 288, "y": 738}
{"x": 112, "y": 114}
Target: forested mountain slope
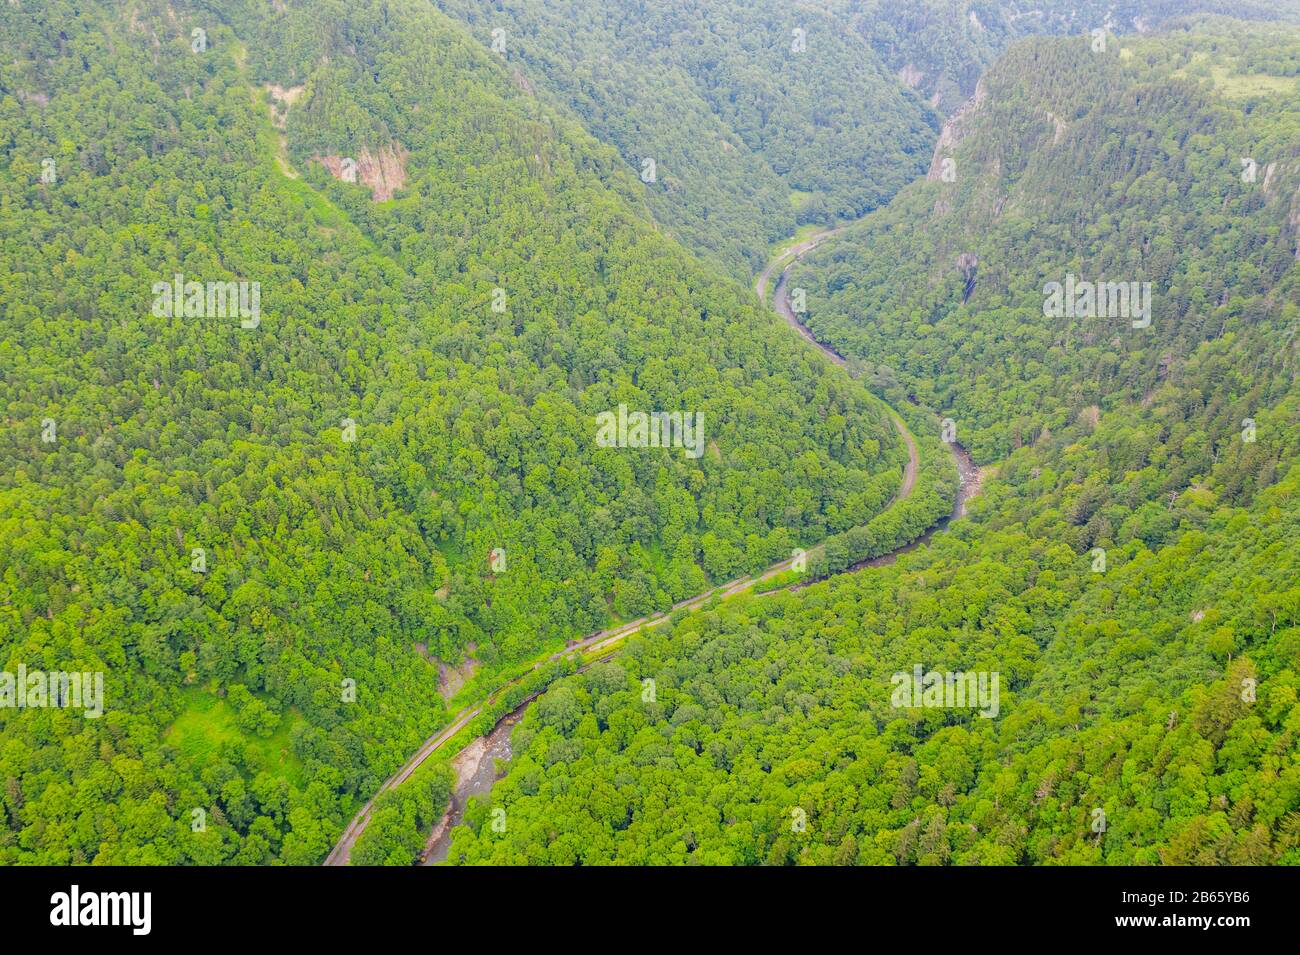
{"x": 940, "y": 48}
{"x": 269, "y": 526}
{"x": 772, "y": 739}
{"x": 757, "y": 114}
{"x": 1129, "y": 576}
{"x": 1170, "y": 164}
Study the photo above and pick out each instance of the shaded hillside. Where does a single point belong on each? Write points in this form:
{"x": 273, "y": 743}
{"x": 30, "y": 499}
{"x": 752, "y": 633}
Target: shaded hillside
{"x": 756, "y": 115}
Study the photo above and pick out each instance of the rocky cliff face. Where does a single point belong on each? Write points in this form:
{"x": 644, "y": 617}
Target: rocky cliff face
{"x": 954, "y": 131}
{"x": 384, "y": 172}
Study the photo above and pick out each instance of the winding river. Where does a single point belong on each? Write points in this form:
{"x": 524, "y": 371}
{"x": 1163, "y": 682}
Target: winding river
{"x": 475, "y": 766}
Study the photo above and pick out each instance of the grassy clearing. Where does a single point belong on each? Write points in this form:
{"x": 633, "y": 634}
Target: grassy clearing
{"x": 208, "y": 722}
{"x": 799, "y": 199}
{"x": 780, "y": 249}
{"x": 1247, "y": 85}
{"x": 1229, "y": 79}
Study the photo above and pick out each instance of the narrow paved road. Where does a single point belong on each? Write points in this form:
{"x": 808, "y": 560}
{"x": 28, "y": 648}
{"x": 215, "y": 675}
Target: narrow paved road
{"x": 607, "y": 638}
{"x": 781, "y": 301}
{"x": 783, "y": 262}
{"x": 342, "y": 850}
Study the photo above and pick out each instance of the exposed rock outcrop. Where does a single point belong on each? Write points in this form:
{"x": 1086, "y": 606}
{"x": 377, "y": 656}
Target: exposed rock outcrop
{"x": 384, "y": 172}
{"x": 910, "y": 76}
{"x": 968, "y": 262}
{"x": 954, "y": 131}
{"x": 281, "y": 100}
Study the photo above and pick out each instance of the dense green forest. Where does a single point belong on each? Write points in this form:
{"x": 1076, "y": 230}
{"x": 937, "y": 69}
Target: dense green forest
{"x": 272, "y": 529}
{"x": 309, "y": 312}
{"x": 757, "y": 114}
{"x": 940, "y": 48}
{"x": 1121, "y": 691}
{"x": 1126, "y": 165}
{"x": 1129, "y": 574}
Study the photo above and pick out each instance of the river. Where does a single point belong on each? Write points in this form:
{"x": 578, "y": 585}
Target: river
{"x": 476, "y": 765}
